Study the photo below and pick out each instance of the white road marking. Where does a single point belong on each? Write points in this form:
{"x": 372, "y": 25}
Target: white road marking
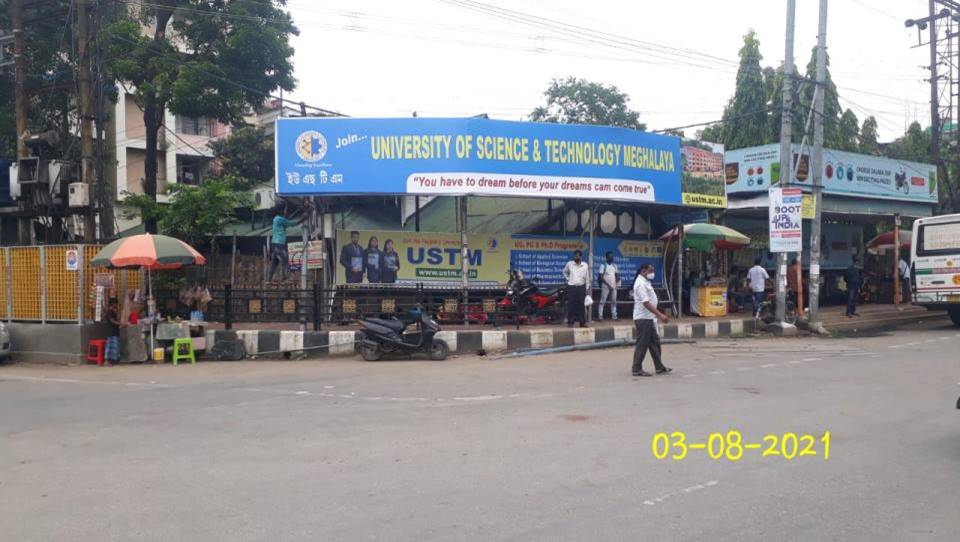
{"x": 688, "y": 376}
{"x": 478, "y": 398}
{"x": 717, "y": 372}
{"x": 812, "y": 359}
{"x": 768, "y": 365}
{"x": 150, "y": 384}
{"x": 794, "y": 362}
{"x": 687, "y": 490}
{"x": 744, "y": 368}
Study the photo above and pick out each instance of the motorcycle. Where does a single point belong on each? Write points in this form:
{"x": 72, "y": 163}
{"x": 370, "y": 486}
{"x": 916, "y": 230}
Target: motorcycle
{"x": 530, "y": 303}
{"x": 380, "y": 336}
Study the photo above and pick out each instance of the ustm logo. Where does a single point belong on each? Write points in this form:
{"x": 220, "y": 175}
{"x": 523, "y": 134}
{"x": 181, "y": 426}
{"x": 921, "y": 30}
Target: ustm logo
{"x": 311, "y": 146}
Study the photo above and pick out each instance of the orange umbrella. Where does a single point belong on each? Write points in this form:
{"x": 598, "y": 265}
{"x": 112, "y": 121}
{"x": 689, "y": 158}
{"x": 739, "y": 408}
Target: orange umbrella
{"x": 150, "y": 251}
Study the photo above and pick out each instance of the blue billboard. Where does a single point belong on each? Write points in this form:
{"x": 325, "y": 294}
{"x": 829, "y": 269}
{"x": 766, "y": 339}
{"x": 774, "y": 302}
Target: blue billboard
{"x": 326, "y": 156}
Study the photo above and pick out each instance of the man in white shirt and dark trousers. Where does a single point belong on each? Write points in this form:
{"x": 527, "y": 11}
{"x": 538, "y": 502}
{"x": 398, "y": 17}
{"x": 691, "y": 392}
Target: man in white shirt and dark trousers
{"x": 645, "y": 316}
{"x": 576, "y": 272}
{"x": 758, "y": 277}
{"x": 904, "y": 280}
{"x": 609, "y": 278}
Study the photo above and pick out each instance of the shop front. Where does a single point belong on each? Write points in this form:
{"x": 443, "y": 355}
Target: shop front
{"x": 862, "y": 197}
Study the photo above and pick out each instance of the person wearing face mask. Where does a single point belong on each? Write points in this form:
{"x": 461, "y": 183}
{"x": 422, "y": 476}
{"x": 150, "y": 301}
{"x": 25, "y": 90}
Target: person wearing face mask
{"x": 608, "y": 277}
{"x": 645, "y": 316}
{"x": 576, "y": 272}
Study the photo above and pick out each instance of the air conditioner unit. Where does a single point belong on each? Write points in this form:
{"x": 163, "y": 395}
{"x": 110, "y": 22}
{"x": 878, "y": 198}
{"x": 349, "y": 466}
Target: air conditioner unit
{"x": 264, "y": 198}
{"x": 79, "y": 195}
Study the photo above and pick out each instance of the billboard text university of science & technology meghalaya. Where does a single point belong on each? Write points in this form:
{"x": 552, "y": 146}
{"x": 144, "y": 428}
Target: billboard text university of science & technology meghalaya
{"x": 488, "y": 157}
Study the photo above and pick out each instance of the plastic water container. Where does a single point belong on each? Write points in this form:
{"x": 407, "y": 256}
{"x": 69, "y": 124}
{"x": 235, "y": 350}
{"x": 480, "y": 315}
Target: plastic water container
{"x": 158, "y": 355}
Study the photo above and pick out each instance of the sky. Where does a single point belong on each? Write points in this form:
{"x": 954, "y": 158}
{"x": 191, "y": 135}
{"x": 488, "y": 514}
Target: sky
{"x": 677, "y": 60}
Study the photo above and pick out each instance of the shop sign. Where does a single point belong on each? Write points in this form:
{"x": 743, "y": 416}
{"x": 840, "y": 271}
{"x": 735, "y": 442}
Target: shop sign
{"x": 72, "y": 258}
{"x": 314, "y": 255}
{"x": 756, "y": 169}
{"x": 786, "y": 233}
{"x": 411, "y": 257}
{"x": 323, "y": 156}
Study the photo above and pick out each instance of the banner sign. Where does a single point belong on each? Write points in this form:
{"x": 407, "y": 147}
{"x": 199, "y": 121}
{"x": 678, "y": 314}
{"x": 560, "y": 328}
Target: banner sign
{"x": 786, "y": 232}
{"x": 323, "y": 156}
{"x": 755, "y": 169}
{"x": 314, "y": 255}
{"x": 702, "y": 184}
{"x": 410, "y": 257}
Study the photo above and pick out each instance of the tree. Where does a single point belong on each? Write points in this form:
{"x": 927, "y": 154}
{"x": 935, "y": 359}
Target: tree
{"x": 849, "y": 132}
{"x": 831, "y": 104}
{"x": 869, "y": 143}
{"x": 712, "y": 133}
{"x": 745, "y": 118}
{"x": 578, "y": 101}
{"x": 199, "y": 59}
{"x": 913, "y": 145}
{"x": 194, "y": 214}
{"x": 775, "y": 98}
{"x": 245, "y": 157}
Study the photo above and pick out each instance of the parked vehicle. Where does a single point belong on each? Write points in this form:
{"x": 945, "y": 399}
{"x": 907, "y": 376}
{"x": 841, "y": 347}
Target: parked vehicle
{"x": 529, "y": 303}
{"x": 4, "y": 342}
{"x": 381, "y": 336}
{"x": 935, "y": 264}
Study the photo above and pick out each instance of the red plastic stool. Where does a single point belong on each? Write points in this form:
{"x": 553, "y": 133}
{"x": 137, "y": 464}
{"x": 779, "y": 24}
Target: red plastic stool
{"x": 95, "y": 350}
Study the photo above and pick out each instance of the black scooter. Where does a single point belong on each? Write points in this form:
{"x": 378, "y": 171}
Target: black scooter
{"x": 379, "y": 336}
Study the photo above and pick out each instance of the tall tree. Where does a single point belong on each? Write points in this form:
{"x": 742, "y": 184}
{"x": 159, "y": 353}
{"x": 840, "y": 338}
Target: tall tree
{"x": 869, "y": 139}
{"x": 913, "y": 145}
{"x": 578, "y": 101}
{"x": 198, "y": 58}
{"x": 245, "y": 157}
{"x": 849, "y": 132}
{"x": 745, "y": 119}
{"x": 831, "y": 104}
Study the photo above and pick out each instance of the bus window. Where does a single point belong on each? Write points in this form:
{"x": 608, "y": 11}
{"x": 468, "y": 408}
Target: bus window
{"x": 938, "y": 239}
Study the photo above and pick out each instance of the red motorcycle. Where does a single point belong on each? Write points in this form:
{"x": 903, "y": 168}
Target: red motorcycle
{"x": 529, "y": 304}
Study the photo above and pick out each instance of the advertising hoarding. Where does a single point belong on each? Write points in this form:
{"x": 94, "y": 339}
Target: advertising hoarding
{"x": 435, "y": 257}
{"x": 786, "y": 233}
{"x": 702, "y": 184}
{"x": 475, "y": 157}
{"x": 756, "y": 169}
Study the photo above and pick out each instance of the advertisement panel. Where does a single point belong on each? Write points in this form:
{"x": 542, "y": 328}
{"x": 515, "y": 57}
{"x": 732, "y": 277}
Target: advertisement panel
{"x": 786, "y": 233}
{"x": 314, "y": 255}
{"x": 755, "y": 169}
{"x": 702, "y": 183}
{"x": 322, "y": 156}
{"x": 410, "y": 257}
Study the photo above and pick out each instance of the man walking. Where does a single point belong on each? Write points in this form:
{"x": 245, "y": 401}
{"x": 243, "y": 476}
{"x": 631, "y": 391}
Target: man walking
{"x": 904, "y": 280}
{"x": 278, "y": 245}
{"x": 758, "y": 277}
{"x": 851, "y": 276}
{"x": 609, "y": 278}
{"x": 645, "y": 316}
{"x": 576, "y": 272}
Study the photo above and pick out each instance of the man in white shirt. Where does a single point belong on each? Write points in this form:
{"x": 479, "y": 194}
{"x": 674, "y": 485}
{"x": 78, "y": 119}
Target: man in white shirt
{"x": 576, "y": 272}
{"x": 758, "y": 278}
{"x": 904, "y": 280}
{"x": 645, "y": 316}
{"x": 609, "y": 278}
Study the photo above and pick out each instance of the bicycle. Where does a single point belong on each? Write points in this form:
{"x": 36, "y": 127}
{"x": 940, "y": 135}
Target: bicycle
{"x": 768, "y": 310}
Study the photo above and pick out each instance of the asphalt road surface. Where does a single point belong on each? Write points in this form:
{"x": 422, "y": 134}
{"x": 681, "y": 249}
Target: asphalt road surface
{"x": 542, "y": 448}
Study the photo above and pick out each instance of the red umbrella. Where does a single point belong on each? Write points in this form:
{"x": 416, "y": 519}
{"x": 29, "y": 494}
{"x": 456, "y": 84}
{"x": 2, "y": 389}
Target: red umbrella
{"x": 884, "y": 242}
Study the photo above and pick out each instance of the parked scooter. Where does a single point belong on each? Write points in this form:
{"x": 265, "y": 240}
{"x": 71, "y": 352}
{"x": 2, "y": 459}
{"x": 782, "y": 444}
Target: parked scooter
{"x": 379, "y": 336}
{"x": 528, "y": 301}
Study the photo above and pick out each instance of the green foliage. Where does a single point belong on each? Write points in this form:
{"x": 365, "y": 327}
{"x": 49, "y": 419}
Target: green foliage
{"x": 745, "y": 118}
{"x": 849, "y": 132}
{"x": 245, "y": 157}
{"x": 194, "y": 214}
{"x": 913, "y": 145}
{"x": 869, "y": 139}
{"x": 578, "y": 101}
{"x": 831, "y": 105}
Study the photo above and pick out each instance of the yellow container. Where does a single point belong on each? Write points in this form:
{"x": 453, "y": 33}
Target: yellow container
{"x": 158, "y": 355}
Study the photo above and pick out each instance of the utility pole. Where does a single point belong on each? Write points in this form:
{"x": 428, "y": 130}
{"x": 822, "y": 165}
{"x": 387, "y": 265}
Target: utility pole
{"x": 817, "y": 168}
{"x": 786, "y": 149}
{"x": 934, "y": 90}
{"x": 21, "y": 111}
{"x": 87, "y": 168}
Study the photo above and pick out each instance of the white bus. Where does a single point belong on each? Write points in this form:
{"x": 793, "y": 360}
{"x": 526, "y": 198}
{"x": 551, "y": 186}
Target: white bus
{"x": 935, "y": 257}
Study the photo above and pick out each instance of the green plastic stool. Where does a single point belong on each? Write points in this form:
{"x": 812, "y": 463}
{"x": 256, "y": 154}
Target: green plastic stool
{"x": 178, "y": 355}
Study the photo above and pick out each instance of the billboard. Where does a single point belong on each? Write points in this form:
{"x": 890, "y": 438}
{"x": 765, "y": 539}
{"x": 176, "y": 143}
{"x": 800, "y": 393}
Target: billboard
{"x": 786, "y": 206}
{"x": 412, "y": 257}
{"x": 702, "y": 178}
{"x": 755, "y": 169}
{"x": 324, "y": 156}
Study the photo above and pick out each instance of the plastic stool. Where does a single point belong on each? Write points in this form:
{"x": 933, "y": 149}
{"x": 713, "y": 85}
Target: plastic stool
{"x": 177, "y": 355}
{"x": 95, "y": 351}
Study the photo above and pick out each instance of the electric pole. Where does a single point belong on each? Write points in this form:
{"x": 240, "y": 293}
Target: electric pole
{"x": 934, "y": 87}
{"x": 21, "y": 110}
{"x": 786, "y": 150}
{"x": 87, "y": 169}
{"x": 817, "y": 167}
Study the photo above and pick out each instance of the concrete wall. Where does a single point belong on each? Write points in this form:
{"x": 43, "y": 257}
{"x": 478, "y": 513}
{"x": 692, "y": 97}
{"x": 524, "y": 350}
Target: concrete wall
{"x": 53, "y": 343}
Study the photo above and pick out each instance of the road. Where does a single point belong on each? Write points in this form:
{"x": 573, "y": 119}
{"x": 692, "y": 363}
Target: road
{"x": 541, "y": 448}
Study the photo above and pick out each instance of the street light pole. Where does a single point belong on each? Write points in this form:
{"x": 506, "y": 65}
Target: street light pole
{"x": 817, "y": 167}
{"x": 786, "y": 152}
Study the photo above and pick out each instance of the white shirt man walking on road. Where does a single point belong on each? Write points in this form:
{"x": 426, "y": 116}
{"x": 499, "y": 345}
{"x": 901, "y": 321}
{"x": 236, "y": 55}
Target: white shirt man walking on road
{"x": 645, "y": 316}
{"x": 758, "y": 278}
{"x": 576, "y": 272}
{"x": 609, "y": 279}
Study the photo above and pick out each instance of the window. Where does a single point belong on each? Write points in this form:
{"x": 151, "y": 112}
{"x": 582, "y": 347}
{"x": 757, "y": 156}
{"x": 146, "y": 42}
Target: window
{"x": 193, "y": 126}
{"x": 939, "y": 239}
